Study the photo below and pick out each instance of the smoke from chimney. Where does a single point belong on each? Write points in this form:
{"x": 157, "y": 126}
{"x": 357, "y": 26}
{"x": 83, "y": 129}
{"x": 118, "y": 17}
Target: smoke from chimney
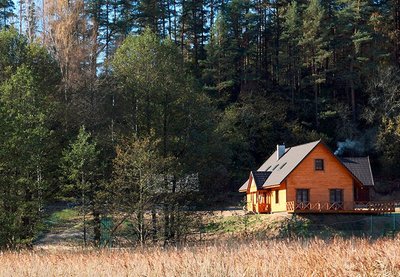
{"x": 350, "y": 145}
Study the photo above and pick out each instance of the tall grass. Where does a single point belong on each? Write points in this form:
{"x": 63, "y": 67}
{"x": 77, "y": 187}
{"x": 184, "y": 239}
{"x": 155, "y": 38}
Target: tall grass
{"x": 336, "y": 257}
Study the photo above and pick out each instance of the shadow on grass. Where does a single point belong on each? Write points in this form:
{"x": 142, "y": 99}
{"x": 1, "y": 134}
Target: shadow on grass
{"x": 329, "y": 225}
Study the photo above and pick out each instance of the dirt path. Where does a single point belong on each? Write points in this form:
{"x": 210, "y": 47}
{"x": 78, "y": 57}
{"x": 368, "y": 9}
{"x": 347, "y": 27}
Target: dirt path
{"x": 69, "y": 236}
{"x": 63, "y": 227}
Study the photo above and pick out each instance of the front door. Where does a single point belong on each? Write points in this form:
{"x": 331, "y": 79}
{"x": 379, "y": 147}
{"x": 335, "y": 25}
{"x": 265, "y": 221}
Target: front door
{"x": 261, "y": 202}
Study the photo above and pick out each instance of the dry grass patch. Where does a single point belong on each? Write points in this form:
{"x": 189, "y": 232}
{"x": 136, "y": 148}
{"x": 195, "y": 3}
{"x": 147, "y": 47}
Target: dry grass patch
{"x": 336, "y": 257}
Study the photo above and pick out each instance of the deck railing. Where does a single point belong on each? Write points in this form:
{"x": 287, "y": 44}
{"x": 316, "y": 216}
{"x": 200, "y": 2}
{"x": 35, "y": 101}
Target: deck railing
{"x": 263, "y": 208}
{"x": 349, "y": 207}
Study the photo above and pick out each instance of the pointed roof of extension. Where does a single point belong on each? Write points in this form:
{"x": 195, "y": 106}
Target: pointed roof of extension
{"x": 260, "y": 177}
{"x": 361, "y": 168}
{"x": 279, "y": 169}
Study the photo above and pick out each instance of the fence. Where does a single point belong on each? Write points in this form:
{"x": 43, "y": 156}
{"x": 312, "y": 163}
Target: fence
{"x": 349, "y": 225}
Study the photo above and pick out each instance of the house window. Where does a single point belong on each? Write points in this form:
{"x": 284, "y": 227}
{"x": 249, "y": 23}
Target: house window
{"x": 277, "y": 196}
{"x": 336, "y": 199}
{"x": 336, "y": 195}
{"x": 302, "y": 195}
{"x": 302, "y": 199}
{"x": 319, "y": 164}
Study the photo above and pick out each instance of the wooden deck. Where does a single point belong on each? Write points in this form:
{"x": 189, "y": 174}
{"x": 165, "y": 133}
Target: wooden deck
{"x": 370, "y": 207}
{"x": 261, "y": 208}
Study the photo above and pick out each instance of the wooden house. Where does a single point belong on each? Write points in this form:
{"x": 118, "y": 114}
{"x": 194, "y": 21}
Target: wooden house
{"x": 309, "y": 178}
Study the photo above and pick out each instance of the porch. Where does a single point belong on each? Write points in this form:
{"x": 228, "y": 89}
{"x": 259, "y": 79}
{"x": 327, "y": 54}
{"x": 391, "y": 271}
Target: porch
{"x": 362, "y": 207}
{"x": 261, "y": 208}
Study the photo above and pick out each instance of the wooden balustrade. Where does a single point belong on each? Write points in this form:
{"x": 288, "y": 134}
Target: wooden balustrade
{"x": 345, "y": 207}
{"x": 263, "y": 208}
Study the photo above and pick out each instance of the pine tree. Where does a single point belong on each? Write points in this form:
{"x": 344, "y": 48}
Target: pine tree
{"x": 125, "y": 17}
{"x": 31, "y": 20}
{"x": 314, "y": 48}
{"x": 231, "y": 52}
{"x": 353, "y": 36}
{"x": 150, "y": 14}
{"x": 291, "y": 37}
{"x": 195, "y": 30}
{"x": 81, "y": 168}
{"x": 6, "y": 12}
{"x": 218, "y": 73}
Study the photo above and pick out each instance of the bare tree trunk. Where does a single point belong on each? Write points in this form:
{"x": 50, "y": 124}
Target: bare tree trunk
{"x": 175, "y": 23}
{"x": 183, "y": 17}
{"x": 397, "y": 27}
{"x": 154, "y": 224}
{"x": 96, "y": 226}
{"x": 20, "y": 18}
{"x": 84, "y": 213}
{"x": 140, "y": 214}
{"x": 166, "y": 224}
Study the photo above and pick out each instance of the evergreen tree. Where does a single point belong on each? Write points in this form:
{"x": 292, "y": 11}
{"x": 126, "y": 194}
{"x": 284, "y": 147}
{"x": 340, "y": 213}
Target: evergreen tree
{"x": 81, "y": 168}
{"x": 27, "y": 87}
{"x": 353, "y": 36}
{"x": 31, "y": 20}
{"x": 314, "y": 48}
{"x": 218, "y": 73}
{"x": 291, "y": 55}
{"x": 194, "y": 15}
{"x": 24, "y": 116}
{"x": 6, "y": 12}
{"x": 150, "y": 13}
{"x": 125, "y": 15}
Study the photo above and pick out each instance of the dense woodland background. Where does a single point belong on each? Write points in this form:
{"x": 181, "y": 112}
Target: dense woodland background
{"x": 143, "y": 109}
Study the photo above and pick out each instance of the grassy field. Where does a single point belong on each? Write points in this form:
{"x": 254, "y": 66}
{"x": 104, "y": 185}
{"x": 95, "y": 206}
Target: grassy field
{"x": 335, "y": 257}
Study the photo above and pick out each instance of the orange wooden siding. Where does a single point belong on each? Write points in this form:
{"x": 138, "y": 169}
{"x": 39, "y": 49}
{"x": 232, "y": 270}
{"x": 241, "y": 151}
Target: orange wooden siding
{"x": 334, "y": 176}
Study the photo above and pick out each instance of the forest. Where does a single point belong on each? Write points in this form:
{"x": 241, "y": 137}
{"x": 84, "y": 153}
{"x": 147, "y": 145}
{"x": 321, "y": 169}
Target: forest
{"x": 148, "y": 109}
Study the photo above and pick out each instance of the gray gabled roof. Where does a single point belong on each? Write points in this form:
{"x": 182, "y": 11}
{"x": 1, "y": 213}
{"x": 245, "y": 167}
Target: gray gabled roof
{"x": 281, "y": 168}
{"x": 287, "y": 163}
{"x": 361, "y": 169}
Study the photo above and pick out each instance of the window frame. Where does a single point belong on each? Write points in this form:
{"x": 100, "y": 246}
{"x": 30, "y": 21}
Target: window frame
{"x": 319, "y": 167}
{"x": 336, "y": 192}
{"x": 335, "y": 204}
{"x": 277, "y": 197}
{"x": 302, "y": 200}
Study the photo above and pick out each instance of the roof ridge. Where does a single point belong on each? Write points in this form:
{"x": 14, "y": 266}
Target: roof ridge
{"x": 299, "y": 145}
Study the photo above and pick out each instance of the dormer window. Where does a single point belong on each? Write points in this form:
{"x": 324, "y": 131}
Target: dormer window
{"x": 319, "y": 164}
